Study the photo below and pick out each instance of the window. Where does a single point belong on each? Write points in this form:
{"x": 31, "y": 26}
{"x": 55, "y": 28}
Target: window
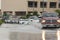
{"x": 32, "y": 4}
{"x": 59, "y": 5}
{"x": 43, "y": 4}
{"x": 53, "y": 4}
{"x": 20, "y": 13}
{"x": 35, "y": 4}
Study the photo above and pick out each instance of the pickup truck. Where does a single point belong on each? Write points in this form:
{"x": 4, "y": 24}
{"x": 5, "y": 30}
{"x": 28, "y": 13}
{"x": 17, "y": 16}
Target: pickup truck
{"x": 50, "y": 20}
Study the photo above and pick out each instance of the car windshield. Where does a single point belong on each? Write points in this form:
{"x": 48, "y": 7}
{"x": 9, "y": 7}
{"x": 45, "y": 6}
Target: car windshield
{"x": 33, "y": 17}
{"x": 24, "y": 20}
{"x": 50, "y": 15}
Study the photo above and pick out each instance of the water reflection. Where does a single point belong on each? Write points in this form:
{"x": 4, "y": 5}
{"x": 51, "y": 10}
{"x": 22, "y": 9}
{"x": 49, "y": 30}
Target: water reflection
{"x": 58, "y": 35}
{"x": 50, "y": 35}
{"x": 43, "y": 35}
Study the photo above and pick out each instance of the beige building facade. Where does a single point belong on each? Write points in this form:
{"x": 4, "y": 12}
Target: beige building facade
{"x": 22, "y": 7}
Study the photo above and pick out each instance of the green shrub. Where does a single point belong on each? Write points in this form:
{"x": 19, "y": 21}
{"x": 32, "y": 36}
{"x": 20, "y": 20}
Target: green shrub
{"x": 28, "y": 15}
{"x": 23, "y": 17}
{"x": 1, "y": 21}
{"x": 58, "y": 11}
{"x": 33, "y": 14}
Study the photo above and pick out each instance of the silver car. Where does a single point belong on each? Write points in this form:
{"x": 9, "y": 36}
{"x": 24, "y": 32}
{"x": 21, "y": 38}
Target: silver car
{"x": 23, "y": 21}
{"x": 14, "y": 21}
{"x": 7, "y": 21}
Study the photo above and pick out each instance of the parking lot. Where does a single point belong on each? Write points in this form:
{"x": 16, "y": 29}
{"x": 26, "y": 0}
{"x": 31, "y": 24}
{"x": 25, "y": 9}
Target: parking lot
{"x": 31, "y": 31}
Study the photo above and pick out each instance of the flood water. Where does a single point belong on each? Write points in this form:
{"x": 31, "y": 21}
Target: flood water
{"x": 27, "y": 32}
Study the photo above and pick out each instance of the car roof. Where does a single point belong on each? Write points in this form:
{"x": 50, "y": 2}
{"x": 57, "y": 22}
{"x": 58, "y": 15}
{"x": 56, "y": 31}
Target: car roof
{"x": 49, "y": 13}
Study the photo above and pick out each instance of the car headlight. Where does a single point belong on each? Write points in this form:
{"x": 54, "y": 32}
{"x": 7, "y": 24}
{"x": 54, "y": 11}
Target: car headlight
{"x": 43, "y": 21}
{"x": 58, "y": 21}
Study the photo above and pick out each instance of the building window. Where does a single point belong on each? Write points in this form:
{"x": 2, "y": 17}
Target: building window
{"x": 59, "y": 5}
{"x": 35, "y": 4}
{"x": 53, "y": 4}
{"x": 43, "y": 4}
{"x": 32, "y": 4}
{"x": 20, "y": 13}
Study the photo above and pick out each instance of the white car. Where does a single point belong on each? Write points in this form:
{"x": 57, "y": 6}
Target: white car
{"x": 7, "y": 20}
{"x": 14, "y": 21}
{"x": 34, "y": 19}
{"x": 23, "y": 21}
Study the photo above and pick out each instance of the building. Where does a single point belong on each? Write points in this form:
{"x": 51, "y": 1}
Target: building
{"x": 22, "y": 7}
{"x": 0, "y": 13}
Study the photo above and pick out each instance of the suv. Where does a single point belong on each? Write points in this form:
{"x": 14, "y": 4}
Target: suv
{"x": 50, "y": 20}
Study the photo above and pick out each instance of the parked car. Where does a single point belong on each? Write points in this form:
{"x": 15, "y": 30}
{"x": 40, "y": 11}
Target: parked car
{"x": 14, "y": 21}
{"x": 50, "y": 20}
{"x": 7, "y": 21}
{"x": 23, "y": 21}
{"x": 34, "y": 19}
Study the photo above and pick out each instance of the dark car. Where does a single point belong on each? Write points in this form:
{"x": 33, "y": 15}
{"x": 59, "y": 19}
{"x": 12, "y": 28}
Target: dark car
{"x": 50, "y": 20}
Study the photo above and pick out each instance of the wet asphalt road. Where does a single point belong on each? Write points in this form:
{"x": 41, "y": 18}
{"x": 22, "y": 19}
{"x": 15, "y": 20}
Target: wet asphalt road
{"x": 48, "y": 33}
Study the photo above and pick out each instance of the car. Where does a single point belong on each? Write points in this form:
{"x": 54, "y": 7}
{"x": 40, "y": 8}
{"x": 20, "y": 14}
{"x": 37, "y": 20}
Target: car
{"x": 23, "y": 21}
{"x": 34, "y": 19}
{"x": 7, "y": 21}
{"x": 50, "y": 19}
{"x": 14, "y": 21}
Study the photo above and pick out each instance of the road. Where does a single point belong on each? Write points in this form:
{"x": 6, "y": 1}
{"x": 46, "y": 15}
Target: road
{"x": 28, "y": 32}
